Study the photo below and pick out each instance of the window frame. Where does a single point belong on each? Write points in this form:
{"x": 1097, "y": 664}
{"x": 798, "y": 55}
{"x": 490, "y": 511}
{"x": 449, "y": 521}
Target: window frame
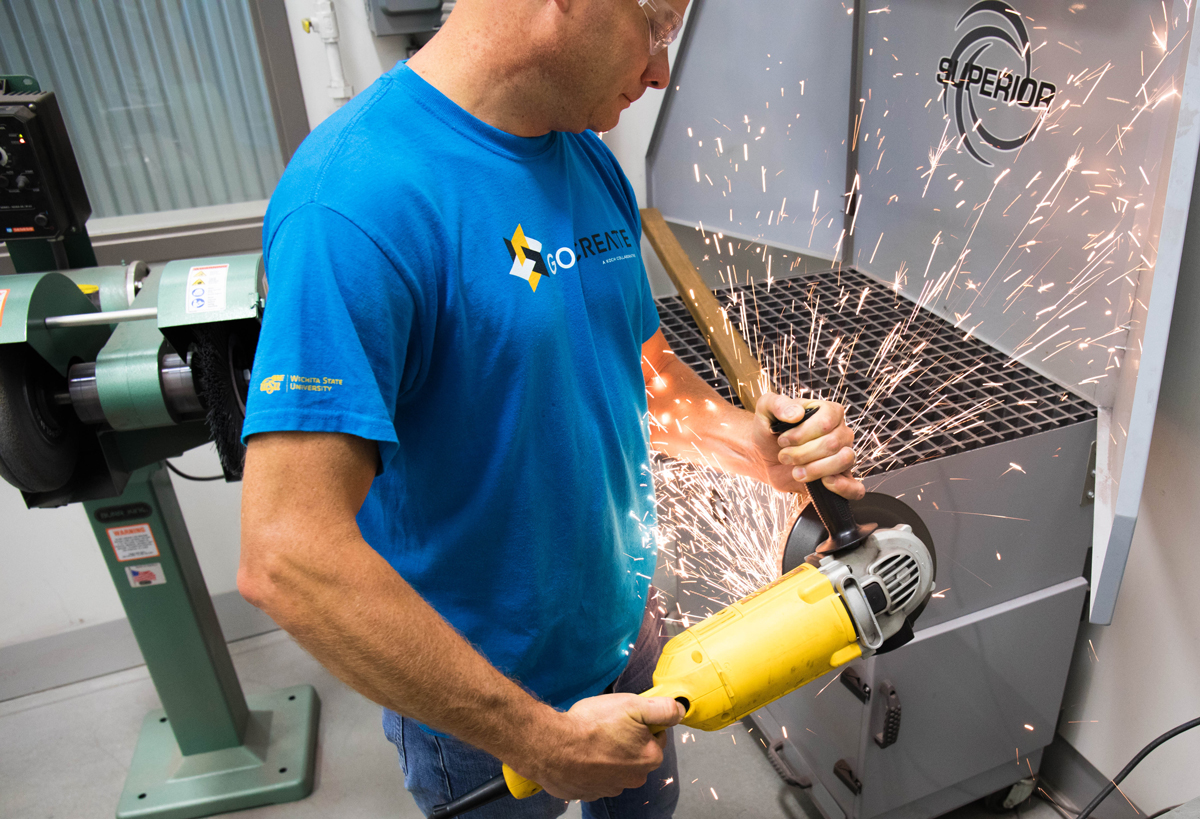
{"x": 219, "y": 229}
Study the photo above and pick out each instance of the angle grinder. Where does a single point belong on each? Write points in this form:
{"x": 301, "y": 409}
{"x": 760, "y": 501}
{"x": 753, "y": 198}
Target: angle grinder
{"x": 849, "y": 590}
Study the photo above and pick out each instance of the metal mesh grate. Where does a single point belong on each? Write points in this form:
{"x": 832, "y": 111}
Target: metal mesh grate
{"x": 915, "y": 387}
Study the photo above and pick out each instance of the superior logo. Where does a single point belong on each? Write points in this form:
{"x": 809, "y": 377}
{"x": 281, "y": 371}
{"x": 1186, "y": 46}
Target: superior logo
{"x": 971, "y": 71}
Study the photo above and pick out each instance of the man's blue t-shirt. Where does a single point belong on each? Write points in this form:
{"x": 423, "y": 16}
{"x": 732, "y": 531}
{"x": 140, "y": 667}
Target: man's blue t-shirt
{"x": 475, "y": 303}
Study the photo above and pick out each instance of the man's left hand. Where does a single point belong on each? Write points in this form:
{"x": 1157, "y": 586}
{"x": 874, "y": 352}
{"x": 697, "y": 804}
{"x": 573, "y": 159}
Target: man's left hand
{"x": 819, "y": 449}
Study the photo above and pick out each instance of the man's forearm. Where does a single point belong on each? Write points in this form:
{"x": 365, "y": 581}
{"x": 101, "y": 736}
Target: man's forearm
{"x": 693, "y": 422}
{"x": 364, "y": 623}
{"x": 306, "y": 564}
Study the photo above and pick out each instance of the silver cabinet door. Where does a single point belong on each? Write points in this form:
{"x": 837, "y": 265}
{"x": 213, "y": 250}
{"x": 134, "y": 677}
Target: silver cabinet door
{"x": 975, "y": 693}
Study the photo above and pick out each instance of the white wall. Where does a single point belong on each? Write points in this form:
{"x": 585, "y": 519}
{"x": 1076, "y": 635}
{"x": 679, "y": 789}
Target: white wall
{"x": 1140, "y": 677}
{"x": 364, "y": 56}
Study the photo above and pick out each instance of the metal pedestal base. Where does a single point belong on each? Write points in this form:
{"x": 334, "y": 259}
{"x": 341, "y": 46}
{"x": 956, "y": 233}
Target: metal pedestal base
{"x": 274, "y": 764}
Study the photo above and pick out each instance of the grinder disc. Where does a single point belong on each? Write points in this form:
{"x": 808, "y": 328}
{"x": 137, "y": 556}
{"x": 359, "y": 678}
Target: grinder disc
{"x": 39, "y": 440}
{"x": 807, "y": 533}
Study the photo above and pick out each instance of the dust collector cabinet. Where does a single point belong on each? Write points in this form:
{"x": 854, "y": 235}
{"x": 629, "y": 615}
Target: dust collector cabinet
{"x": 979, "y": 688}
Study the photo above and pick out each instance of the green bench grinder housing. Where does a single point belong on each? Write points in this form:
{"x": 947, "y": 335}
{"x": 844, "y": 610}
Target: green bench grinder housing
{"x": 104, "y": 373}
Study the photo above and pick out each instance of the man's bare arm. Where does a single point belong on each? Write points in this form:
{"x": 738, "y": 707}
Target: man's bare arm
{"x": 695, "y": 423}
{"x": 305, "y": 563}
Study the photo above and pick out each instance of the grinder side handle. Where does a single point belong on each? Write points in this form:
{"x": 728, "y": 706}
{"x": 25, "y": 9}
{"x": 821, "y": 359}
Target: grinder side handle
{"x": 834, "y": 510}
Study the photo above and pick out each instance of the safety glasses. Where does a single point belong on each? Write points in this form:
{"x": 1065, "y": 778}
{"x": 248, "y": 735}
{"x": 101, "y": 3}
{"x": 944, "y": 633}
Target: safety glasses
{"x": 665, "y": 23}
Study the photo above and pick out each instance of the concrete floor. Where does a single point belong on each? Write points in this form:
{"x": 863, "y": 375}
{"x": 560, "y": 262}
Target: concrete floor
{"x": 65, "y": 752}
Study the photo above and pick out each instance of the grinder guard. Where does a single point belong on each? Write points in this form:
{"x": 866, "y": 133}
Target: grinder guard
{"x": 807, "y": 533}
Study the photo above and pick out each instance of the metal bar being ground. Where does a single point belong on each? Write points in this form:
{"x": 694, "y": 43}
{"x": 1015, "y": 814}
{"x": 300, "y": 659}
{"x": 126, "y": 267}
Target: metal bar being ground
{"x": 733, "y": 354}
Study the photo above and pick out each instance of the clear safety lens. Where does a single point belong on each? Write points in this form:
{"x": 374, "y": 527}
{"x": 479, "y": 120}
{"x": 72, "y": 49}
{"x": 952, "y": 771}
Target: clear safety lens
{"x": 665, "y": 23}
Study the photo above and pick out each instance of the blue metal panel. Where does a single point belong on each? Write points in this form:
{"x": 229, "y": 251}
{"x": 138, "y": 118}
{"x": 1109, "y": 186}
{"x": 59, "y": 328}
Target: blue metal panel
{"x": 165, "y": 100}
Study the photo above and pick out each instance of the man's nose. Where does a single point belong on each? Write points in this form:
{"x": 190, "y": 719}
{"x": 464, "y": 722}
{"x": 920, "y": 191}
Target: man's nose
{"x": 658, "y": 71}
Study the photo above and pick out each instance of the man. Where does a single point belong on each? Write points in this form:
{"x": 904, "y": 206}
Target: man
{"x": 448, "y": 498}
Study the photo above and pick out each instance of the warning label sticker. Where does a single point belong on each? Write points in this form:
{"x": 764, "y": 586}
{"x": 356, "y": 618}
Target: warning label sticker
{"x": 205, "y": 292}
{"x": 148, "y": 574}
{"x": 3, "y": 298}
{"x": 133, "y": 542}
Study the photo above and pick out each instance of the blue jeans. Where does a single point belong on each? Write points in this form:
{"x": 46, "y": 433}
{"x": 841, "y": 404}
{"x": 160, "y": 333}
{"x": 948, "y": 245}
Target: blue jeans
{"x": 438, "y": 769}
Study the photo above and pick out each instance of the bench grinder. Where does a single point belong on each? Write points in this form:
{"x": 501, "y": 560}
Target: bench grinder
{"x": 104, "y": 373}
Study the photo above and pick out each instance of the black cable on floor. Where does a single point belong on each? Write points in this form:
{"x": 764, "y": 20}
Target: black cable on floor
{"x": 188, "y": 477}
{"x": 1161, "y": 812}
{"x": 1116, "y": 780}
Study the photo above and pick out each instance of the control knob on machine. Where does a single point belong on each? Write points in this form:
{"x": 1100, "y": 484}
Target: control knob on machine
{"x": 41, "y": 220}
{"x": 23, "y": 182}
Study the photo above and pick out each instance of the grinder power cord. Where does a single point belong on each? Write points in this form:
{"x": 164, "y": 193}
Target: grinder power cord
{"x": 854, "y": 596}
{"x": 1133, "y": 763}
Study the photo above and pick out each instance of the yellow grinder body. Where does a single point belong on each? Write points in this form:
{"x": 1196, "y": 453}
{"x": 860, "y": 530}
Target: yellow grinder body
{"x": 749, "y": 654}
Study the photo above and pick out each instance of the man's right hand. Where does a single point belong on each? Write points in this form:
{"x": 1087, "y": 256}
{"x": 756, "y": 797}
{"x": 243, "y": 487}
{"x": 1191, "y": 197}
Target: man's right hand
{"x": 303, "y": 557}
{"x": 602, "y": 746}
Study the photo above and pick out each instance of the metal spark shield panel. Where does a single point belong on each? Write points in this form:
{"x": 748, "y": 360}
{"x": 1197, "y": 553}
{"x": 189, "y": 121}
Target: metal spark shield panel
{"x": 715, "y": 148}
{"x": 1023, "y": 169}
{"x": 971, "y": 665}
{"x": 843, "y": 336}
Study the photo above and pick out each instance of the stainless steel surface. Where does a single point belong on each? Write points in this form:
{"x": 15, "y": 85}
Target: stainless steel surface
{"x": 175, "y": 376}
{"x": 786, "y": 69}
{"x": 914, "y": 227}
{"x": 178, "y": 387}
{"x": 912, "y": 116}
{"x": 1122, "y": 460}
{"x": 85, "y": 397}
{"x": 973, "y": 665}
{"x": 1189, "y": 810}
{"x": 1003, "y": 665}
{"x": 93, "y": 319}
{"x": 391, "y": 17}
{"x": 1000, "y": 536}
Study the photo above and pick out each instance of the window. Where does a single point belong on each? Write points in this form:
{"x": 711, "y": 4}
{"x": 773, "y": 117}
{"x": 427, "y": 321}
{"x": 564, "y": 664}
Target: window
{"x": 167, "y": 102}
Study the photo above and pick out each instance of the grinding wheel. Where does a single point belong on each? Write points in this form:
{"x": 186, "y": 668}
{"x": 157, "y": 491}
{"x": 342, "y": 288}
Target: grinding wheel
{"x": 39, "y": 440}
{"x": 807, "y": 533}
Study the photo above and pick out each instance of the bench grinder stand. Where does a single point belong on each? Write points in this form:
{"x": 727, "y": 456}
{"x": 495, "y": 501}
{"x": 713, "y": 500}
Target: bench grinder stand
{"x": 104, "y": 373}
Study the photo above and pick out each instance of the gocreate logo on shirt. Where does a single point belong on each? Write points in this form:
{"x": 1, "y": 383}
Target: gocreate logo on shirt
{"x": 528, "y": 262}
